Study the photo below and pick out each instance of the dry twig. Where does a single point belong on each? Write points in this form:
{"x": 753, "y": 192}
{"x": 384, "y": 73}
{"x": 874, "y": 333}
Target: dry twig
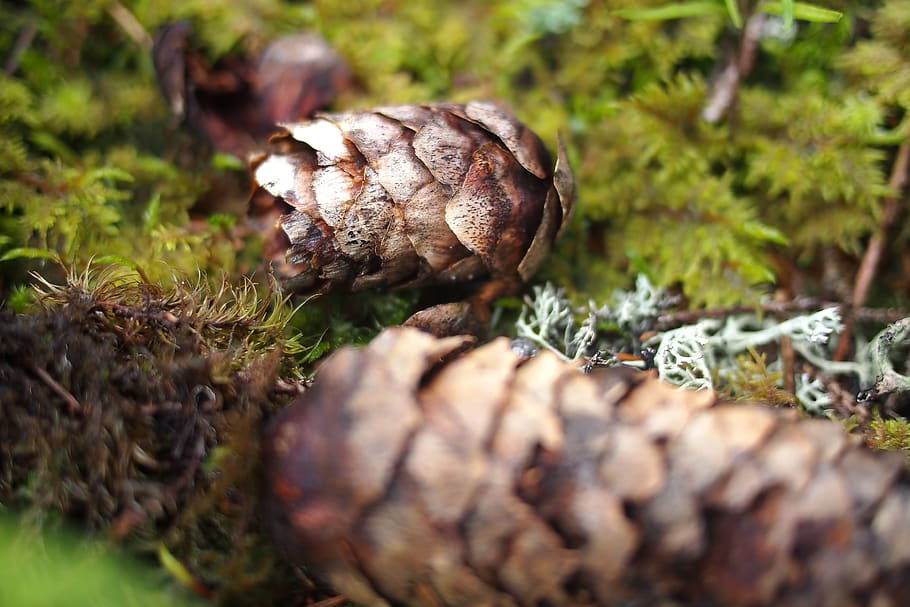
{"x": 876, "y": 249}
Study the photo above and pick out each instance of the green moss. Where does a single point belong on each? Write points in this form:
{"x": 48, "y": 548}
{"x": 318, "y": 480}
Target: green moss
{"x": 752, "y": 380}
{"x": 888, "y": 434}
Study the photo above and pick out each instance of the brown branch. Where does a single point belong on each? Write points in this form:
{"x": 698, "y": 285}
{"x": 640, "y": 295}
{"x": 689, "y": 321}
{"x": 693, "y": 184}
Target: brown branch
{"x": 23, "y": 41}
{"x": 72, "y": 405}
{"x": 128, "y": 22}
{"x": 876, "y": 249}
{"x": 678, "y": 318}
{"x": 726, "y": 88}
{"x": 788, "y": 364}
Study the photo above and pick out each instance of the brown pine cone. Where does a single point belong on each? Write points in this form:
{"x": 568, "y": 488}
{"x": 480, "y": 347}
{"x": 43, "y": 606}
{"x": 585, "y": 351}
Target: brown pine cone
{"x": 235, "y": 103}
{"x": 409, "y": 477}
{"x": 410, "y": 195}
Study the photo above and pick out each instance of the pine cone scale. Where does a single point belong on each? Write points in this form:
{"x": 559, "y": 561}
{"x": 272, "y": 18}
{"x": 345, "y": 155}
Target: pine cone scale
{"x": 425, "y": 226}
{"x": 873, "y": 476}
{"x": 518, "y": 139}
{"x": 444, "y": 146}
{"x": 892, "y": 526}
{"x": 333, "y": 188}
{"x": 365, "y": 221}
{"x": 324, "y": 137}
{"x": 540, "y": 245}
{"x": 400, "y": 172}
{"x": 371, "y": 133}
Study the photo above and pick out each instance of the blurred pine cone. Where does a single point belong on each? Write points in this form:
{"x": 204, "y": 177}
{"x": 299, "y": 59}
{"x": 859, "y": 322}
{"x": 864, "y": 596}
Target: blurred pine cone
{"x": 235, "y": 103}
{"x": 410, "y": 477}
{"x": 410, "y": 195}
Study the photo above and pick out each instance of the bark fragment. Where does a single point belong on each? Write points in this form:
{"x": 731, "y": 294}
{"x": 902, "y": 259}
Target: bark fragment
{"x": 512, "y": 481}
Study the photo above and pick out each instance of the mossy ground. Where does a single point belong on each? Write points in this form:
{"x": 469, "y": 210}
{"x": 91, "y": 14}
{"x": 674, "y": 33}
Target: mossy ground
{"x": 137, "y": 412}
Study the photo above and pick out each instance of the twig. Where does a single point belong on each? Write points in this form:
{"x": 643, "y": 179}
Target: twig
{"x": 128, "y": 22}
{"x": 72, "y": 405}
{"x": 23, "y": 41}
{"x": 678, "y": 318}
{"x": 871, "y": 258}
{"x": 788, "y": 364}
{"x": 332, "y": 602}
{"x": 726, "y": 87}
{"x": 843, "y": 401}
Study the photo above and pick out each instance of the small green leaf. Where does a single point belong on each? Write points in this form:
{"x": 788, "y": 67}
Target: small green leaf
{"x": 178, "y": 570}
{"x": 222, "y": 221}
{"x": 29, "y": 253}
{"x": 735, "y": 16}
{"x": 217, "y": 459}
{"x": 639, "y": 263}
{"x": 227, "y": 162}
{"x": 52, "y": 144}
{"x": 107, "y": 173}
{"x": 152, "y": 214}
{"x": 803, "y": 11}
{"x": 881, "y": 136}
{"x": 788, "y": 13}
{"x": 679, "y": 10}
{"x": 118, "y": 260}
{"x": 509, "y": 303}
{"x": 756, "y": 229}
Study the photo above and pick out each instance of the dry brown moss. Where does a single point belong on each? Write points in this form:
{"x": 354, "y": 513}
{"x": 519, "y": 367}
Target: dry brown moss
{"x": 138, "y": 411}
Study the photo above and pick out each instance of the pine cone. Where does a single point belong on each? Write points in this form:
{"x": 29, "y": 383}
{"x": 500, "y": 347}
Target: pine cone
{"x": 413, "y": 478}
{"x": 410, "y": 195}
{"x": 235, "y": 103}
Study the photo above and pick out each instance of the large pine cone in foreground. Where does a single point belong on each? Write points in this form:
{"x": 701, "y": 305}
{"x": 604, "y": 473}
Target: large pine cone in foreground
{"x": 413, "y": 478}
{"x": 410, "y": 195}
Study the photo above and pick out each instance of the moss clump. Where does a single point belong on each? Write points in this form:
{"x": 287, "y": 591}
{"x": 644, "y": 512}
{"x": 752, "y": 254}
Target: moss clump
{"x": 138, "y": 411}
{"x": 751, "y": 379}
{"x": 888, "y": 434}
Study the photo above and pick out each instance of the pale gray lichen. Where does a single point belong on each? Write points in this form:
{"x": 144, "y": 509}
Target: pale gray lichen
{"x": 704, "y": 354}
{"x": 811, "y": 394}
{"x": 685, "y": 356}
{"x": 549, "y": 319}
{"x": 879, "y": 354}
{"x": 635, "y": 310}
{"x": 696, "y": 356}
